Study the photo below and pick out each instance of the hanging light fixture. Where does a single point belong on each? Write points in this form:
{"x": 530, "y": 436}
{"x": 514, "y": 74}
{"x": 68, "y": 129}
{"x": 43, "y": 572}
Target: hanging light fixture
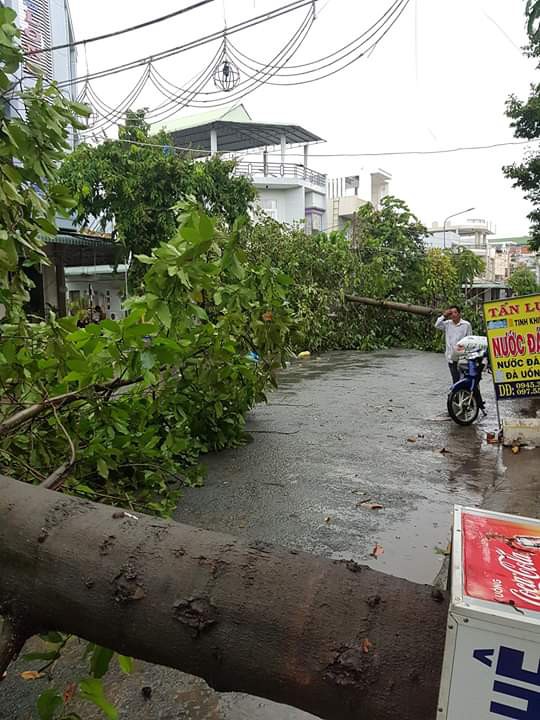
{"x": 226, "y": 74}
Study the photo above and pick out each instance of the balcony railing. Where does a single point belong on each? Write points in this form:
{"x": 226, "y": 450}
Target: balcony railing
{"x": 276, "y": 170}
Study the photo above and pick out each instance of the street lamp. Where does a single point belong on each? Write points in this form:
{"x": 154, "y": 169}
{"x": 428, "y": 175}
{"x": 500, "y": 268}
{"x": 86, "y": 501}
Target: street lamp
{"x": 448, "y": 218}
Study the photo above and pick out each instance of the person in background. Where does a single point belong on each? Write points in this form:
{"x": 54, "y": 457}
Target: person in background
{"x": 455, "y": 328}
{"x": 97, "y": 314}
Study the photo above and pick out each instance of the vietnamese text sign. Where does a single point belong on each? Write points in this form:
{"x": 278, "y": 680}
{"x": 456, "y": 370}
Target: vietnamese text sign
{"x": 513, "y": 331}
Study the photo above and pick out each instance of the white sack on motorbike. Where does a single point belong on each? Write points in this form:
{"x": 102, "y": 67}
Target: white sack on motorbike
{"x": 469, "y": 347}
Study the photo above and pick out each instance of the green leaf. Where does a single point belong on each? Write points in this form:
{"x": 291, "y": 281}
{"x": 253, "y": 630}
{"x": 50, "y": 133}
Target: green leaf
{"x": 200, "y": 312}
{"x": 112, "y": 326}
{"x": 148, "y": 360}
{"x": 103, "y": 468}
{"x": 164, "y": 314}
{"x": 206, "y": 227}
{"x": 81, "y": 108}
{"x": 47, "y": 226}
{"x": 138, "y": 331}
{"x": 100, "y": 660}
{"x": 52, "y": 637}
{"x": 126, "y": 664}
{"x": 50, "y": 655}
{"x": 92, "y": 690}
{"x": 145, "y": 259}
{"x": 48, "y": 703}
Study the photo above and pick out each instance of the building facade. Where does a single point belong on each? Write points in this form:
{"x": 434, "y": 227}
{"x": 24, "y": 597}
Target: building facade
{"x": 44, "y": 24}
{"x": 346, "y": 195}
{"x": 289, "y": 191}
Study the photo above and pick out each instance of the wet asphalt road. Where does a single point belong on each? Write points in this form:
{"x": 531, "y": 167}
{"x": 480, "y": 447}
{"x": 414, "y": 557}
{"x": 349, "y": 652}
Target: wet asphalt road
{"x": 342, "y": 429}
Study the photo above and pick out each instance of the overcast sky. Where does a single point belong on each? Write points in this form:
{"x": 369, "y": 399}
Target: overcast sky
{"x": 439, "y": 79}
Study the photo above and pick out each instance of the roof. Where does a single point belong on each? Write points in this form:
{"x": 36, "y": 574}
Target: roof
{"x": 232, "y": 112}
{"x": 75, "y": 249}
{"x": 235, "y": 131}
{"x": 80, "y": 240}
{"x": 520, "y": 240}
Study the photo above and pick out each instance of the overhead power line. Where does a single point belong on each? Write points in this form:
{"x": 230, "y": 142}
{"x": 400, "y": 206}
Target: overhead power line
{"x": 443, "y": 151}
{"x": 116, "y": 33}
{"x": 217, "y": 35}
{"x": 419, "y": 152}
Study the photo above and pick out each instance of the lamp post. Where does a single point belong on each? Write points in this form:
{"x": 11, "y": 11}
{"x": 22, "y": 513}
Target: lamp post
{"x": 448, "y": 218}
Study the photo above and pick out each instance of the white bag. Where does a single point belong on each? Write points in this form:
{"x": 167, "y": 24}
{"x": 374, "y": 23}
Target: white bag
{"x": 470, "y": 347}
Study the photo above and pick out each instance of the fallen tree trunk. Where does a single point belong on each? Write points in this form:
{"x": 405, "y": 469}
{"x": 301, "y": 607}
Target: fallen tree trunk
{"x": 391, "y": 305}
{"x": 333, "y": 638}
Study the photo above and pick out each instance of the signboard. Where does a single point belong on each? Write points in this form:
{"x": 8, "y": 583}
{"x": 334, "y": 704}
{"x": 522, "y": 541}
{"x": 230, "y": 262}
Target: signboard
{"x": 501, "y": 560}
{"x": 513, "y": 331}
{"x": 495, "y": 675}
{"x": 491, "y": 668}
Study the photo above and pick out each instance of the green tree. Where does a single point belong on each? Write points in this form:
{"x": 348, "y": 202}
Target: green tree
{"x": 468, "y": 266}
{"x": 321, "y": 268}
{"x": 32, "y": 144}
{"x": 120, "y": 411}
{"x": 441, "y": 282}
{"x": 382, "y": 256}
{"x": 389, "y": 243}
{"x": 525, "y": 119}
{"x": 134, "y": 183}
{"x": 523, "y": 282}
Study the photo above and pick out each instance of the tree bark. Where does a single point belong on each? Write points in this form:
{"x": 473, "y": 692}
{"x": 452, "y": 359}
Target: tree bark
{"x": 333, "y": 638}
{"x": 391, "y": 305}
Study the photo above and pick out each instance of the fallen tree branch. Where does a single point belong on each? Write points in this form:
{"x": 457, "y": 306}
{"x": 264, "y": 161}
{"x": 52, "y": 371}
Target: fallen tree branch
{"x": 391, "y": 305}
{"x": 56, "y": 479}
{"x": 19, "y": 418}
{"x": 338, "y": 640}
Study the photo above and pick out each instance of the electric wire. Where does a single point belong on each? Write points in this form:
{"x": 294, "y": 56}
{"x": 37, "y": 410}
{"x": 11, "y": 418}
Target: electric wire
{"x": 239, "y": 27}
{"x": 123, "y": 31}
{"x": 399, "y": 8}
{"x": 251, "y": 84}
{"x": 330, "y": 55}
{"x": 463, "y": 148}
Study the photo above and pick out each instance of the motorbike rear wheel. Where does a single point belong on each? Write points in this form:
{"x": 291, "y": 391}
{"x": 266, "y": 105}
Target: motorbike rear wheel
{"x": 462, "y": 406}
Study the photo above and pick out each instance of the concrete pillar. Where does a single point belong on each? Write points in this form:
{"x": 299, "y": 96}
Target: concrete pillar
{"x": 265, "y": 162}
{"x": 61, "y": 285}
{"x": 306, "y": 154}
{"x": 283, "y": 148}
{"x": 213, "y": 142}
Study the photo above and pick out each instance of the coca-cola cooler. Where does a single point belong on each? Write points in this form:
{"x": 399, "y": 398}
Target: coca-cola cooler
{"x": 491, "y": 666}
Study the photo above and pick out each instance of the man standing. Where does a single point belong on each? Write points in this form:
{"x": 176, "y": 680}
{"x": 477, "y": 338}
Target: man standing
{"x": 455, "y": 329}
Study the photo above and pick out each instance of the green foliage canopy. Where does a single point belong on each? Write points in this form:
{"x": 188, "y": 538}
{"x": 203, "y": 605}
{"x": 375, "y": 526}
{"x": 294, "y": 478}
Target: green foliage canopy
{"x": 523, "y": 282}
{"x": 135, "y": 182}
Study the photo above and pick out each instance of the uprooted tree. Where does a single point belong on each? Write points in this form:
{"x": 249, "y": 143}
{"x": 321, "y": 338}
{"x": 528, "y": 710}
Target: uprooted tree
{"x": 119, "y": 412}
{"x": 333, "y": 638}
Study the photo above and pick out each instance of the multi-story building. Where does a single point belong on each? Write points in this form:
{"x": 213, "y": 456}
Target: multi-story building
{"x": 288, "y": 191}
{"x": 45, "y": 24}
{"x": 519, "y": 254}
{"x": 345, "y": 197}
{"x": 473, "y": 234}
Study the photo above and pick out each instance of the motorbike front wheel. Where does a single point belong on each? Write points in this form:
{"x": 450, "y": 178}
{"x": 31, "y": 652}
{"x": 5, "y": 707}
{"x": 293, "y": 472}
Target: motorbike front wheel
{"x": 462, "y": 406}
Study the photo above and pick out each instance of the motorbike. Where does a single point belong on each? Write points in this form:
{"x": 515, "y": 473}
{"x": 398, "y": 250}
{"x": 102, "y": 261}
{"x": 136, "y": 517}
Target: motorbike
{"x": 465, "y": 399}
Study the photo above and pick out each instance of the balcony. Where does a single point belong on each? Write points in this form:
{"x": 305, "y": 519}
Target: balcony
{"x": 283, "y": 170}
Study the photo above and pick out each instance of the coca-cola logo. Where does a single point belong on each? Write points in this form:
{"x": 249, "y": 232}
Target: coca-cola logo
{"x": 525, "y": 576}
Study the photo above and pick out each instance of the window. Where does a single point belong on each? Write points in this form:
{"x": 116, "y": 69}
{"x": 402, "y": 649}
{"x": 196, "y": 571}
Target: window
{"x": 270, "y": 207}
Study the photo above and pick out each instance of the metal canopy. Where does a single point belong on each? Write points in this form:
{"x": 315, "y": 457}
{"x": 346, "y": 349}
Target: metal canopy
{"x": 74, "y": 249}
{"x": 235, "y": 136}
